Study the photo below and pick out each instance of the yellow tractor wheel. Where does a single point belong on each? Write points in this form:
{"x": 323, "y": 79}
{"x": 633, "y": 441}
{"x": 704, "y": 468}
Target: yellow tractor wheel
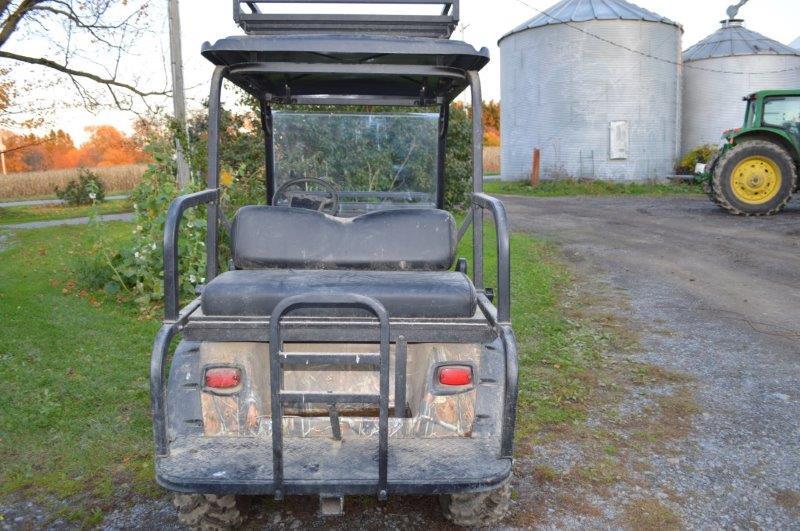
{"x": 754, "y": 178}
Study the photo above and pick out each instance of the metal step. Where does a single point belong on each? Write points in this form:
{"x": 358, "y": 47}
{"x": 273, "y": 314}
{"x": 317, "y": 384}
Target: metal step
{"x": 255, "y": 18}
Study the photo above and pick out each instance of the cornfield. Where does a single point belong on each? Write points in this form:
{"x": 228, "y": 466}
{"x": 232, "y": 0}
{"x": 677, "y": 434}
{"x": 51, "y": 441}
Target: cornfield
{"x": 491, "y": 160}
{"x": 43, "y": 183}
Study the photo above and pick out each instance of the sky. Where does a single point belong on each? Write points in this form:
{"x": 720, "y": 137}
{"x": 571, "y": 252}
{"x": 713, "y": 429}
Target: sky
{"x": 483, "y": 22}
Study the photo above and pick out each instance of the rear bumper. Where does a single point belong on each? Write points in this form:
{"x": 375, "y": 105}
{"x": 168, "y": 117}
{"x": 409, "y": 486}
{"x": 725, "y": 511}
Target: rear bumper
{"x": 243, "y": 465}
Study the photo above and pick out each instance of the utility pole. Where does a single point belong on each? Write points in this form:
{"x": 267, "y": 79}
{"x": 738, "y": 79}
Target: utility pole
{"x": 178, "y": 101}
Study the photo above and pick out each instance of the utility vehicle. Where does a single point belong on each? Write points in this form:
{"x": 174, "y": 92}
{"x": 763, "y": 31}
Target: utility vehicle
{"x": 345, "y": 350}
{"x": 754, "y": 173}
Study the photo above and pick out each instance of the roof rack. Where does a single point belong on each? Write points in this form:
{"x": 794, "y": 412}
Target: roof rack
{"x": 255, "y": 19}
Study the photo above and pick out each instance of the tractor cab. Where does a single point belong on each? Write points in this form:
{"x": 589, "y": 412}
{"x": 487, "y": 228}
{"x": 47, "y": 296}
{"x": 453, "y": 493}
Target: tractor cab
{"x": 754, "y": 173}
{"x": 347, "y": 349}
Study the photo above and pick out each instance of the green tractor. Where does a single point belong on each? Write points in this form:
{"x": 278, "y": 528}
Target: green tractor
{"x": 755, "y": 171}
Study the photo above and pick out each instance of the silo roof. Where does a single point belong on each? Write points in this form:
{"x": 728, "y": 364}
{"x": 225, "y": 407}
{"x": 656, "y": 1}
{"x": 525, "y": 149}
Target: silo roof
{"x": 734, "y": 39}
{"x": 568, "y": 11}
{"x": 796, "y": 44}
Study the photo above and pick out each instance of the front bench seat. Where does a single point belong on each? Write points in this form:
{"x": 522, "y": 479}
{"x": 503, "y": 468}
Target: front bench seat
{"x": 399, "y": 257}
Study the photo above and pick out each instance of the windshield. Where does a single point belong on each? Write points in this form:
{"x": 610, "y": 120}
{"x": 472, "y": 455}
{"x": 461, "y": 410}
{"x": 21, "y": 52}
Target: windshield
{"x": 374, "y": 160}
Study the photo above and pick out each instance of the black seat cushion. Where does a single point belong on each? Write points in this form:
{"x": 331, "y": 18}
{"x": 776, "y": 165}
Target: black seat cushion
{"x": 417, "y": 239}
{"x": 433, "y": 294}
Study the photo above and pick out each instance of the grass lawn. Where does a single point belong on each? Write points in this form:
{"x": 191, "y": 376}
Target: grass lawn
{"x": 560, "y": 188}
{"x": 25, "y": 214}
{"x": 76, "y": 424}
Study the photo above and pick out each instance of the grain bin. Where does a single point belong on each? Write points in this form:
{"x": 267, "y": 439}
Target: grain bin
{"x": 595, "y": 85}
{"x": 796, "y": 44}
{"x": 723, "y": 68}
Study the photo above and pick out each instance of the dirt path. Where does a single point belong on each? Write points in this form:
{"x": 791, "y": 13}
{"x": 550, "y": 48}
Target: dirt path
{"x": 716, "y": 298}
{"x": 69, "y": 221}
{"x": 43, "y": 202}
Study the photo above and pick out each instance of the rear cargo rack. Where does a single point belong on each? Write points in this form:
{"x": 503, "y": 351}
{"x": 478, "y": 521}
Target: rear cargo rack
{"x": 378, "y": 361}
{"x": 256, "y": 18}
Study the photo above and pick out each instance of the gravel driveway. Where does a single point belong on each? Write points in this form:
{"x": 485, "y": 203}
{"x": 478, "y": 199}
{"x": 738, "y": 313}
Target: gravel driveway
{"x": 701, "y": 428}
{"x": 724, "y": 294}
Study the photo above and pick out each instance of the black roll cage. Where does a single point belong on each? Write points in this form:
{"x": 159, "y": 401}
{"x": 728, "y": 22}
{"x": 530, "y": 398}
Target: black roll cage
{"x": 479, "y": 201}
{"x": 498, "y": 317}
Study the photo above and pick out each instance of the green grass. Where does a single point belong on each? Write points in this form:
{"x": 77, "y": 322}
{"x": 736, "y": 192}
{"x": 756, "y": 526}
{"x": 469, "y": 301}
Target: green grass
{"x": 568, "y": 187}
{"x": 557, "y": 350}
{"x": 25, "y": 214}
{"x": 75, "y": 417}
{"x": 74, "y": 365}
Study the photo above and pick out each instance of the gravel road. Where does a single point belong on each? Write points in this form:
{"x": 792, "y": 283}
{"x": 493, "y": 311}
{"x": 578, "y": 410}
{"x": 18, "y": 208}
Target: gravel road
{"x": 44, "y": 202}
{"x": 70, "y": 221}
{"x": 724, "y": 294}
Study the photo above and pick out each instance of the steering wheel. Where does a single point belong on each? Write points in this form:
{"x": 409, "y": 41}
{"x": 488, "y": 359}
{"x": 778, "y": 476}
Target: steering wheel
{"x": 326, "y": 201}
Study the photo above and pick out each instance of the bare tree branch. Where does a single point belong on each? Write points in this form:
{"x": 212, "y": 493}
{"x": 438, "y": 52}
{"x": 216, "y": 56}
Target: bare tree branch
{"x": 78, "y": 73}
{"x": 87, "y": 40}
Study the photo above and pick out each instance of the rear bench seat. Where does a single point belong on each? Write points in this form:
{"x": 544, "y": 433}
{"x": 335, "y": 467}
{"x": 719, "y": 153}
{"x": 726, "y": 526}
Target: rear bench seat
{"x": 399, "y": 257}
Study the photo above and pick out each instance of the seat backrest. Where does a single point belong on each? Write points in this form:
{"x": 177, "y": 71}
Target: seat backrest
{"x": 421, "y": 239}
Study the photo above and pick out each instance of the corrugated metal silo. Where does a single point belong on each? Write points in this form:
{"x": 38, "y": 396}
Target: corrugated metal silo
{"x": 723, "y": 68}
{"x": 594, "y": 109}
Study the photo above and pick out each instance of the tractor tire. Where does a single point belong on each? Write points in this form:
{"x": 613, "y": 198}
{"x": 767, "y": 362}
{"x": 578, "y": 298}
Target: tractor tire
{"x": 754, "y": 198}
{"x": 207, "y": 511}
{"x": 477, "y": 509}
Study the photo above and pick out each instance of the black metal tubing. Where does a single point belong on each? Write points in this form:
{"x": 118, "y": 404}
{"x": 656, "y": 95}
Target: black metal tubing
{"x": 269, "y": 153}
{"x": 171, "y": 227}
{"x": 345, "y": 69}
{"x": 214, "y": 110}
{"x": 482, "y": 202}
{"x": 444, "y": 120}
{"x": 258, "y": 21}
{"x": 158, "y": 388}
{"x": 400, "y": 368}
{"x": 390, "y": 101}
{"x": 477, "y": 177}
{"x": 278, "y": 397}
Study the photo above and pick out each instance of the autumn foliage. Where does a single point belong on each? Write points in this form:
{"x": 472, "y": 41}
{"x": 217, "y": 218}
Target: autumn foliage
{"x": 54, "y": 151}
{"x": 491, "y": 123}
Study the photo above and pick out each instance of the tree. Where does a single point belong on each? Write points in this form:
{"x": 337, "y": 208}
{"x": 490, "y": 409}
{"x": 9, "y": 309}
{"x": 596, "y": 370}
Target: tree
{"x": 86, "y": 41}
{"x": 491, "y": 123}
{"x": 108, "y": 147}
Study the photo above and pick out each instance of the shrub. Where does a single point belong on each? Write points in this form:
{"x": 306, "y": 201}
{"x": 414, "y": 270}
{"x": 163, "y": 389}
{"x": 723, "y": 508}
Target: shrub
{"x": 699, "y": 155}
{"x": 458, "y": 159}
{"x": 87, "y": 189}
{"x": 136, "y": 269}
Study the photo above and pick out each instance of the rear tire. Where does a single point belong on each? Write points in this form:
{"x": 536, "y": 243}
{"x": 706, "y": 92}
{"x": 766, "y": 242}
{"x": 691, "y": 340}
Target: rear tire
{"x": 207, "y": 511}
{"x": 477, "y": 509}
{"x": 733, "y": 198}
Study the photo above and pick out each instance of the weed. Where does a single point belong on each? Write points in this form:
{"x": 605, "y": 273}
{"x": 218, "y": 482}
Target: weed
{"x": 650, "y": 514}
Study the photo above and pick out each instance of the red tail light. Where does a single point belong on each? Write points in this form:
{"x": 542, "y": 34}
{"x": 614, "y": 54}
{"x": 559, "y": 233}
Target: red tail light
{"x": 455, "y": 375}
{"x": 223, "y": 377}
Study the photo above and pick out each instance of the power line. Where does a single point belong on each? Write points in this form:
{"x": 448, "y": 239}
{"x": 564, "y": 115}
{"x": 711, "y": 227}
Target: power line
{"x": 650, "y": 56}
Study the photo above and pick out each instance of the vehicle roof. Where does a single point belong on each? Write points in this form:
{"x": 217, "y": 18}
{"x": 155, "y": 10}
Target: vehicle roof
{"x": 733, "y": 39}
{"x": 774, "y": 92}
{"x": 384, "y": 65}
